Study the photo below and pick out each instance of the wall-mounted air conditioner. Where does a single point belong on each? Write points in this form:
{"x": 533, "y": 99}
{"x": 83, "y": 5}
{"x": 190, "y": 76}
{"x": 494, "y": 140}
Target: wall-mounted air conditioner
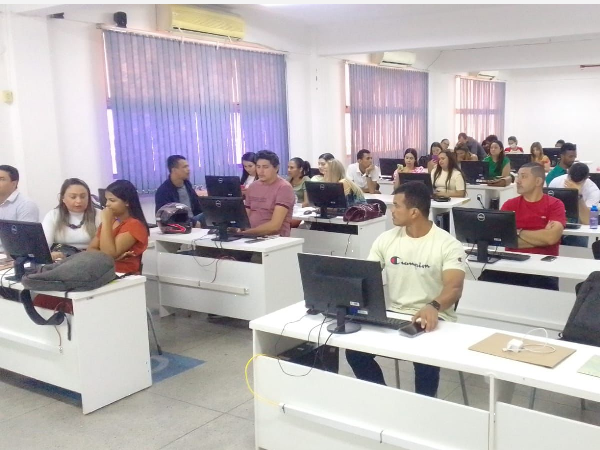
{"x": 485, "y": 74}
{"x": 198, "y": 20}
{"x": 394, "y": 59}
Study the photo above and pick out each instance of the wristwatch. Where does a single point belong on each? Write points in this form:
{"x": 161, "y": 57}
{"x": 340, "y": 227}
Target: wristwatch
{"x": 435, "y": 304}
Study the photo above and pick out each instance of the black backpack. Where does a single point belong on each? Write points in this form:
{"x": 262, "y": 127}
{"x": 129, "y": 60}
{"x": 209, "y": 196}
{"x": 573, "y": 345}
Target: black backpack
{"x": 583, "y": 325}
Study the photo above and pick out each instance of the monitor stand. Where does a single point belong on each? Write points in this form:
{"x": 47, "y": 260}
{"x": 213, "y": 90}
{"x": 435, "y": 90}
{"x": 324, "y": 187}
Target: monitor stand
{"x": 19, "y": 268}
{"x": 222, "y": 234}
{"x": 341, "y": 326}
{"x": 323, "y": 213}
{"x": 483, "y": 255}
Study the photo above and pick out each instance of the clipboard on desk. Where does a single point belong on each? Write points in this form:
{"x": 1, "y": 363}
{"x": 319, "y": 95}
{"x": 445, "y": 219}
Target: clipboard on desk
{"x": 494, "y": 345}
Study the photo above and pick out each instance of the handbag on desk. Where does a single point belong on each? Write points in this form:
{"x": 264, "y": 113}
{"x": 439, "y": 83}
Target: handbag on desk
{"x": 67, "y": 250}
{"x": 362, "y": 212}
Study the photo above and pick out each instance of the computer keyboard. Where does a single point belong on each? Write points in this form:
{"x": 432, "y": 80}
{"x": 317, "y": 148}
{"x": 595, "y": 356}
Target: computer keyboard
{"x": 510, "y": 256}
{"x": 388, "y": 322}
{"x": 573, "y": 226}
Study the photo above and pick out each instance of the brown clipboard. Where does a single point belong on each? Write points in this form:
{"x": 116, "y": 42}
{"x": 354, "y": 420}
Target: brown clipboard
{"x": 494, "y": 344}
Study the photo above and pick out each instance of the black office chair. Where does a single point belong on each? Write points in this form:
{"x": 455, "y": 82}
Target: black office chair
{"x": 423, "y": 160}
{"x": 596, "y": 249}
{"x": 381, "y": 203}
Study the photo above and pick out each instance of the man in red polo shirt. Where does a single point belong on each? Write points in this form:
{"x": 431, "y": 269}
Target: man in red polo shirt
{"x": 540, "y": 221}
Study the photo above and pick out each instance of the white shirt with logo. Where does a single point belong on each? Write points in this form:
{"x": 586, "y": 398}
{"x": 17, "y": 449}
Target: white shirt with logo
{"x": 414, "y": 266}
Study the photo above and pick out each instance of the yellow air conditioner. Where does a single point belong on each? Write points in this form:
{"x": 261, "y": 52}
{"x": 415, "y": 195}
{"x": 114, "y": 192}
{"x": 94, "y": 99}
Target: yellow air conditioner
{"x": 197, "y": 20}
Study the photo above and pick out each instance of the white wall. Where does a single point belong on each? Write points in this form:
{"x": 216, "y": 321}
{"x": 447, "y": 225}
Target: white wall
{"x": 547, "y": 105}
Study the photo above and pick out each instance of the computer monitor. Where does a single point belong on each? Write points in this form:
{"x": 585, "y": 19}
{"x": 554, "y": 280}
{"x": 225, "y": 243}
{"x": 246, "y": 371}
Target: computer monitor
{"x": 314, "y": 171}
{"x": 346, "y": 286}
{"x": 517, "y": 160}
{"x": 570, "y": 198}
{"x": 223, "y": 186}
{"x": 326, "y": 195}
{"x": 102, "y": 197}
{"x": 595, "y": 177}
{"x": 224, "y": 212}
{"x": 24, "y": 242}
{"x": 485, "y": 227}
{"x": 553, "y": 155}
{"x": 421, "y": 177}
{"x": 389, "y": 165}
{"x": 475, "y": 170}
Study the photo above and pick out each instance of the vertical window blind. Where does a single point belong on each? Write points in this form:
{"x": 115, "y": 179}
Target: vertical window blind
{"x": 480, "y": 107}
{"x": 388, "y": 110}
{"x": 210, "y": 104}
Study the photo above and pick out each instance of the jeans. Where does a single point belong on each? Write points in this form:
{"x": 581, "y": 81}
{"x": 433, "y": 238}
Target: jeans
{"x": 199, "y": 218}
{"x": 520, "y": 279}
{"x": 427, "y": 378}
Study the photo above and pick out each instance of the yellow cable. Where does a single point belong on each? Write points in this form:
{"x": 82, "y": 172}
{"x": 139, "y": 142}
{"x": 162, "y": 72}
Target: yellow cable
{"x": 254, "y": 394}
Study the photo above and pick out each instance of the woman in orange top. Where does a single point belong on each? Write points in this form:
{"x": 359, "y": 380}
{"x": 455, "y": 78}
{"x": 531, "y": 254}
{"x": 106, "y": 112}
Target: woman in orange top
{"x": 123, "y": 233}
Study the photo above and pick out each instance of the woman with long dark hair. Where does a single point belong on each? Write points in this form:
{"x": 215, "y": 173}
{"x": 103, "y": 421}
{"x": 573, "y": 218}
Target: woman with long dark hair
{"x": 298, "y": 175}
{"x": 248, "y": 169}
{"x": 124, "y": 232}
{"x": 434, "y": 151}
{"x": 74, "y": 221}
{"x": 447, "y": 178}
{"x": 498, "y": 161}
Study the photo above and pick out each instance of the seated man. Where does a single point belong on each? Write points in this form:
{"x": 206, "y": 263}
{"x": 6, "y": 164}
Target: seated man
{"x": 589, "y": 195}
{"x": 178, "y": 188}
{"x": 270, "y": 199}
{"x": 568, "y": 155}
{"x": 540, "y": 221}
{"x": 425, "y": 270}
{"x": 364, "y": 173}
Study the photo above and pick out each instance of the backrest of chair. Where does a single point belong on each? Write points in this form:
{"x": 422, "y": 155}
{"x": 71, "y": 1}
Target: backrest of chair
{"x": 596, "y": 249}
{"x": 381, "y": 203}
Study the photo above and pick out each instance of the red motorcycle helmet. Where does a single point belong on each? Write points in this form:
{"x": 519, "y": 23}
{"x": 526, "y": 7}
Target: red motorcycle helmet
{"x": 174, "y": 218}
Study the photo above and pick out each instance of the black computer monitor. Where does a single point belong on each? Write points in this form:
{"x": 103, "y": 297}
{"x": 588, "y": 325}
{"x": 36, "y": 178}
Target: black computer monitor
{"x": 102, "y": 197}
{"x": 223, "y": 186}
{"x": 314, "y": 171}
{"x": 475, "y": 170}
{"x": 326, "y": 195}
{"x": 388, "y": 166}
{"x": 421, "y": 177}
{"x": 224, "y": 212}
{"x": 570, "y": 198}
{"x": 24, "y": 242}
{"x": 553, "y": 155}
{"x": 595, "y": 177}
{"x": 485, "y": 227}
{"x": 517, "y": 160}
{"x": 346, "y": 286}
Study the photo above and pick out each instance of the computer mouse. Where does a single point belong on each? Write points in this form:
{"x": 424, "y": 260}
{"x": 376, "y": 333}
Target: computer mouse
{"x": 306, "y": 213}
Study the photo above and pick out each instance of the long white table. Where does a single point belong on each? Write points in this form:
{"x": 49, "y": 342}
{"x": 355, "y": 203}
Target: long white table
{"x": 517, "y": 308}
{"x": 336, "y": 237}
{"x": 324, "y": 410}
{"x": 108, "y": 355}
{"x": 487, "y": 193}
{"x": 437, "y": 208}
{"x": 234, "y": 279}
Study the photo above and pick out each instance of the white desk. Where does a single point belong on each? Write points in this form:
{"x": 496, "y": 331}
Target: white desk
{"x": 436, "y": 207}
{"x": 336, "y": 237}
{"x": 386, "y": 187}
{"x": 516, "y": 308}
{"x": 149, "y": 270}
{"x": 108, "y": 356}
{"x": 488, "y": 193}
{"x": 246, "y": 287}
{"x": 329, "y": 411}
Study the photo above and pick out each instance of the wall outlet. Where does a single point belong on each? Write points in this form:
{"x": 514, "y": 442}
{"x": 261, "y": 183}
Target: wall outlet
{"x": 479, "y": 197}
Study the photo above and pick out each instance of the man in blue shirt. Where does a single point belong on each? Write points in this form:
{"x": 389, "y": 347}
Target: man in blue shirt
{"x": 177, "y": 188}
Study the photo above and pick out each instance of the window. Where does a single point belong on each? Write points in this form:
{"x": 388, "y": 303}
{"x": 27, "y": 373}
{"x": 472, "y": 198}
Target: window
{"x": 387, "y": 110}
{"x": 480, "y": 107}
{"x": 210, "y": 104}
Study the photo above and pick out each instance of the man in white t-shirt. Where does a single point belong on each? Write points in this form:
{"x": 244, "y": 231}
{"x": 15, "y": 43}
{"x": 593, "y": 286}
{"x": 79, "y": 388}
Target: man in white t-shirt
{"x": 578, "y": 178}
{"x": 425, "y": 271}
{"x": 364, "y": 173}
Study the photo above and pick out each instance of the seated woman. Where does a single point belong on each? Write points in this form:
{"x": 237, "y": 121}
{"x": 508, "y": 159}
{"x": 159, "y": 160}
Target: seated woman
{"x": 537, "y": 156}
{"x": 445, "y": 143}
{"x": 463, "y": 153}
{"x": 323, "y": 160}
{"x": 74, "y": 221}
{"x": 334, "y": 172}
{"x": 434, "y": 152}
{"x": 499, "y": 165}
{"x": 447, "y": 179}
{"x": 124, "y": 232}
{"x": 248, "y": 169}
{"x": 410, "y": 166}
{"x": 298, "y": 174}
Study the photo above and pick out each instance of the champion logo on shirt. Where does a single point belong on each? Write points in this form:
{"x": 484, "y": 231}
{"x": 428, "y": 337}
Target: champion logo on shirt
{"x": 396, "y": 260}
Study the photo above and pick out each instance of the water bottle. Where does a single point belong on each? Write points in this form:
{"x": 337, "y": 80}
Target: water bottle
{"x": 594, "y": 217}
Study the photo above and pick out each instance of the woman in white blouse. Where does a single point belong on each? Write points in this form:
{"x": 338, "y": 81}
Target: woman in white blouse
{"x": 74, "y": 221}
{"x": 248, "y": 169}
{"x": 447, "y": 178}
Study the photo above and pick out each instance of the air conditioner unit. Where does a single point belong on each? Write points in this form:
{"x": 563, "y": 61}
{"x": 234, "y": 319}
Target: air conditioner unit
{"x": 485, "y": 74}
{"x": 198, "y": 20}
{"x": 394, "y": 59}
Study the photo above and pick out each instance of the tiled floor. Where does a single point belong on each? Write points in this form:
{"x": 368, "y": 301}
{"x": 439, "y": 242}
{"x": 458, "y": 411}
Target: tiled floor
{"x": 207, "y": 407}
